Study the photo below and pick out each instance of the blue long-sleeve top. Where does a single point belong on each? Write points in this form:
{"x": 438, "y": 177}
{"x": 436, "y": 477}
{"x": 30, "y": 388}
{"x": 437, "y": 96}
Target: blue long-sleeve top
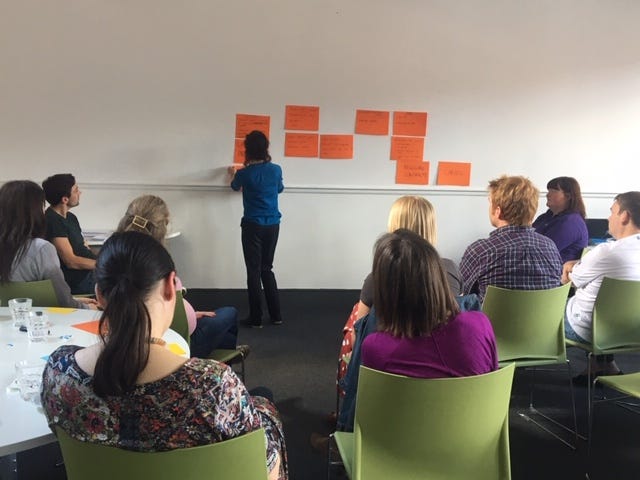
{"x": 260, "y": 184}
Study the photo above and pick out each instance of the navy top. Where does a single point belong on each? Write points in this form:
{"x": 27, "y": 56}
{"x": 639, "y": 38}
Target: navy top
{"x": 567, "y": 230}
{"x": 260, "y": 183}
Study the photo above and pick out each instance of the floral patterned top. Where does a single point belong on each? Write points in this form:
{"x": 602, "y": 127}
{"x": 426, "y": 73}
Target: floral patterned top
{"x": 203, "y": 402}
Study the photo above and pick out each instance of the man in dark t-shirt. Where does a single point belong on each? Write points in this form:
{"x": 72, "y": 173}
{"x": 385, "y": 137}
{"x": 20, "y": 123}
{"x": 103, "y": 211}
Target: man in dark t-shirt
{"x": 63, "y": 231}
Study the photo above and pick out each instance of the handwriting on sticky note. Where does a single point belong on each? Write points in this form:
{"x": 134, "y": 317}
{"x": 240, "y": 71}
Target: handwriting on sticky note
{"x": 246, "y": 123}
{"x": 336, "y": 147}
{"x": 301, "y": 117}
{"x": 412, "y": 173}
{"x": 454, "y": 173}
{"x": 372, "y": 122}
{"x": 413, "y": 124}
{"x": 407, "y": 148}
{"x": 301, "y": 144}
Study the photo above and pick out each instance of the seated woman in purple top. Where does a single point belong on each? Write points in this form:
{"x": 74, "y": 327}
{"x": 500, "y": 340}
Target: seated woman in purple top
{"x": 564, "y": 221}
{"x": 421, "y": 331}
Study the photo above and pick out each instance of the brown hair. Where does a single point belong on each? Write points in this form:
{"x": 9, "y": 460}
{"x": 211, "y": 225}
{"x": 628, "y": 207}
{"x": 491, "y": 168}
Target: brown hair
{"x": 630, "y": 202}
{"x": 571, "y": 188}
{"x": 147, "y": 214}
{"x": 411, "y": 293}
{"x": 415, "y": 214}
{"x": 517, "y": 198}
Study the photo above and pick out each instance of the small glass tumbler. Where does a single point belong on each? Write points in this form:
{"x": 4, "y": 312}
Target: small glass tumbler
{"x": 37, "y": 326}
{"x": 20, "y": 309}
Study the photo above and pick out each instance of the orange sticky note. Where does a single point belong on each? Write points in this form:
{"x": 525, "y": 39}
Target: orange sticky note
{"x": 407, "y": 148}
{"x": 238, "y": 151}
{"x": 337, "y": 147}
{"x": 413, "y": 173}
{"x": 300, "y": 117}
{"x": 91, "y": 327}
{"x": 246, "y": 123}
{"x": 300, "y": 144}
{"x": 454, "y": 173}
{"x": 372, "y": 122}
{"x": 413, "y": 124}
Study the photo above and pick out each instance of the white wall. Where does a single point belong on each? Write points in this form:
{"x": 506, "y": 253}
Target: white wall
{"x": 140, "y": 96}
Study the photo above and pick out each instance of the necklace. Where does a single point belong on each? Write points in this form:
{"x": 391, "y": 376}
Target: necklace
{"x": 157, "y": 341}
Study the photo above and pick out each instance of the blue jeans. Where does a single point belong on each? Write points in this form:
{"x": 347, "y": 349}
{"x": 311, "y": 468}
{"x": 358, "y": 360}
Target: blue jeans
{"x": 216, "y": 332}
{"x": 570, "y": 333}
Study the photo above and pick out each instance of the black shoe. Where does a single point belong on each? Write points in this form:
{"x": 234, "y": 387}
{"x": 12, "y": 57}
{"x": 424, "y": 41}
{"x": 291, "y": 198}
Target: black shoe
{"x": 248, "y": 322}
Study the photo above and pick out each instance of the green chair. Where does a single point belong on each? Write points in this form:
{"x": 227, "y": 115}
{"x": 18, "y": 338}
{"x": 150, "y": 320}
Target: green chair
{"x": 616, "y": 323}
{"x": 415, "y": 428}
{"x": 628, "y": 385}
{"x": 41, "y": 292}
{"x": 180, "y": 325}
{"x": 529, "y": 330}
{"x": 239, "y": 458}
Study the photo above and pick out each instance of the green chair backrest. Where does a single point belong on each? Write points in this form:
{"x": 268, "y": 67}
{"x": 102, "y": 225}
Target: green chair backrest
{"x": 616, "y": 316}
{"x": 239, "y": 458}
{"x": 528, "y": 324}
{"x": 180, "y": 324}
{"x": 445, "y": 428}
{"x": 41, "y": 292}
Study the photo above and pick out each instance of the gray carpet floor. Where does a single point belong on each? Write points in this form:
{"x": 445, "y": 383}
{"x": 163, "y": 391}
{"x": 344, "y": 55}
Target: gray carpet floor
{"x": 297, "y": 361}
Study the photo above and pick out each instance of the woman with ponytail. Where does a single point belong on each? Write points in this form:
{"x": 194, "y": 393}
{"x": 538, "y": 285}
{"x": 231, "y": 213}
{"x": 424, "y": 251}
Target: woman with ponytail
{"x": 128, "y": 391}
{"x": 208, "y": 330}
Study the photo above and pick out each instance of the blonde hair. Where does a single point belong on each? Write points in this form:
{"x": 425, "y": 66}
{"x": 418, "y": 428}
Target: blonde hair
{"x": 517, "y": 198}
{"x": 416, "y": 214}
{"x": 147, "y": 214}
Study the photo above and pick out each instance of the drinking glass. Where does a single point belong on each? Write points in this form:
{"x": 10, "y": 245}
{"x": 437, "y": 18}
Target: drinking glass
{"x": 37, "y": 326}
{"x": 20, "y": 309}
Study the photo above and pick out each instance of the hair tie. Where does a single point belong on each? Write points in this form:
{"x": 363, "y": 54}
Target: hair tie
{"x": 139, "y": 221}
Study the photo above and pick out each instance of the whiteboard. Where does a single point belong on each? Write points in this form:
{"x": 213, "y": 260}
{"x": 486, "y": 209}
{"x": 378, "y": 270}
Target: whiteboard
{"x": 146, "y": 91}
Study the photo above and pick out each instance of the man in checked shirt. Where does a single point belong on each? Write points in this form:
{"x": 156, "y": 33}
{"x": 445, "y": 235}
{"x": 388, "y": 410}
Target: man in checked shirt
{"x": 514, "y": 256}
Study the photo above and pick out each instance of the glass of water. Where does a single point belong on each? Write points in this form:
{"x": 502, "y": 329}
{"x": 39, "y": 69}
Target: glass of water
{"x": 37, "y": 326}
{"x": 20, "y": 309}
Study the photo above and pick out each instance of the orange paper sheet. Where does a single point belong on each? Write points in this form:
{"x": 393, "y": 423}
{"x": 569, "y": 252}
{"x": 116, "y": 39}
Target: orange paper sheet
{"x": 337, "y": 147}
{"x": 246, "y": 123}
{"x": 407, "y": 148}
{"x": 300, "y": 144}
{"x": 413, "y": 124}
{"x": 238, "y": 151}
{"x": 412, "y": 173}
{"x": 454, "y": 173}
{"x": 300, "y": 117}
{"x": 372, "y": 122}
{"x": 91, "y": 327}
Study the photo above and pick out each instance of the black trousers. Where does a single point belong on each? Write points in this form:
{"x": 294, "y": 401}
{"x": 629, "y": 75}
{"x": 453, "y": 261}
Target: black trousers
{"x": 259, "y": 246}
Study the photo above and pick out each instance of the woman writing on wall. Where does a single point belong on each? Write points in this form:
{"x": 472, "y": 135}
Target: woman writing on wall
{"x": 564, "y": 221}
{"x": 208, "y": 330}
{"x": 260, "y": 181}
{"x": 128, "y": 390}
{"x": 26, "y": 256}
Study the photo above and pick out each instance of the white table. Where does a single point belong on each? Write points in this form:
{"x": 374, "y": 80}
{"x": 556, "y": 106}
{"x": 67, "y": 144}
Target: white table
{"x": 22, "y": 423}
{"x": 96, "y": 238}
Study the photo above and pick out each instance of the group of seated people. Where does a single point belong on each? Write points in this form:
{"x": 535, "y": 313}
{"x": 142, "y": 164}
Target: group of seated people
{"x": 520, "y": 254}
{"x": 418, "y": 314}
{"x": 128, "y": 390}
